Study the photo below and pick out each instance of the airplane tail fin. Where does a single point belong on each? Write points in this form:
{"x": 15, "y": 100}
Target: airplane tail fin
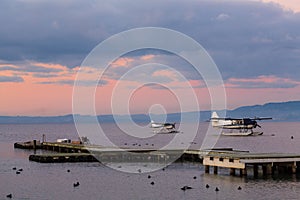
{"x": 214, "y": 115}
{"x": 214, "y": 119}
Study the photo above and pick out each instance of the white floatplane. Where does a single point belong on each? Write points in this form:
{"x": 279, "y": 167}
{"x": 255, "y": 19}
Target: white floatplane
{"x": 163, "y": 127}
{"x": 237, "y": 126}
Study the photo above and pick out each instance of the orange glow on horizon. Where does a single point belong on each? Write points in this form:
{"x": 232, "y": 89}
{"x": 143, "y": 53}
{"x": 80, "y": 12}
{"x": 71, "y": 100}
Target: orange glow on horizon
{"x": 51, "y": 93}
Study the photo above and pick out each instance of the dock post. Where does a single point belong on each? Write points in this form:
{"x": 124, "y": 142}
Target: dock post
{"x": 294, "y": 168}
{"x": 34, "y": 144}
{"x": 255, "y": 170}
{"x": 232, "y": 171}
{"x": 207, "y": 169}
{"x": 215, "y": 170}
{"x": 269, "y": 169}
{"x": 243, "y": 172}
{"x": 264, "y": 170}
{"x": 275, "y": 169}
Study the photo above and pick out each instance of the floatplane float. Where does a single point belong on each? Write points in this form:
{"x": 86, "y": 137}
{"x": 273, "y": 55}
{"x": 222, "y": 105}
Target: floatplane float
{"x": 237, "y": 126}
{"x": 163, "y": 127}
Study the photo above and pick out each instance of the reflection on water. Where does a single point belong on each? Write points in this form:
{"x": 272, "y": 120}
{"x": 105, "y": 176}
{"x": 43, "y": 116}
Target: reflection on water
{"x": 53, "y": 181}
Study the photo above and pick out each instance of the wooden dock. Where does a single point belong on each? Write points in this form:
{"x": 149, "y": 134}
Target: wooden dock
{"x": 72, "y": 152}
{"x": 34, "y": 144}
{"x": 66, "y": 147}
{"x": 238, "y": 162}
{"x": 108, "y": 157}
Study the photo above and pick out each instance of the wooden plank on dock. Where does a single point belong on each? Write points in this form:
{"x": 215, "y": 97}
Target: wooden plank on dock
{"x": 63, "y": 157}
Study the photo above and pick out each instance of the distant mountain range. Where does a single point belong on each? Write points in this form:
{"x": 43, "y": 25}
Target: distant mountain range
{"x": 282, "y": 111}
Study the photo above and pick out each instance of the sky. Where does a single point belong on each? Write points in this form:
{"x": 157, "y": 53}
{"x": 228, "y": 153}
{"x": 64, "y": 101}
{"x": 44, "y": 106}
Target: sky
{"x": 255, "y": 45}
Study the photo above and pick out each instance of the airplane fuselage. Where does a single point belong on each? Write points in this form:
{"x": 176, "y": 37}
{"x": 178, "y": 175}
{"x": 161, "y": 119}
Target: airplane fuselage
{"x": 162, "y": 125}
{"x": 229, "y": 123}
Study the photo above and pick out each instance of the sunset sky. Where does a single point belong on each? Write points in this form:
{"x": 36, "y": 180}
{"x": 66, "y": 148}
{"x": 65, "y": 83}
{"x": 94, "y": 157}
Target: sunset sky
{"x": 255, "y": 45}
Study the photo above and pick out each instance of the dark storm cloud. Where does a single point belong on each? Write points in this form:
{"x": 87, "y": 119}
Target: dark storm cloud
{"x": 245, "y": 38}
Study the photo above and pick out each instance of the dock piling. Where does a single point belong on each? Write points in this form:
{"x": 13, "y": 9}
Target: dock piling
{"x": 206, "y": 169}
{"x": 215, "y": 170}
{"x": 34, "y": 144}
{"x": 243, "y": 172}
{"x": 294, "y": 168}
{"x": 232, "y": 171}
{"x": 255, "y": 170}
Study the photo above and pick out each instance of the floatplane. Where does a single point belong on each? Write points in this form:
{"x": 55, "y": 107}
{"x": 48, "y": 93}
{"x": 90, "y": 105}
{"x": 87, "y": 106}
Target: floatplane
{"x": 163, "y": 127}
{"x": 237, "y": 126}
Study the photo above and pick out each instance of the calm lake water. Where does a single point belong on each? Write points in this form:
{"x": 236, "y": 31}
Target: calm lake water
{"x": 52, "y": 181}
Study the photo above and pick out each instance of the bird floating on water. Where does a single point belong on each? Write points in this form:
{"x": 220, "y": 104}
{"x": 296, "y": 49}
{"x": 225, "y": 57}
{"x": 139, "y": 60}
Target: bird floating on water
{"x": 76, "y": 184}
{"x": 184, "y": 188}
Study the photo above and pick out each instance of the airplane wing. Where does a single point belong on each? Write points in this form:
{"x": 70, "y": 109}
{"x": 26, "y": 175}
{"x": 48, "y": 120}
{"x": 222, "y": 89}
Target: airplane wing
{"x": 225, "y": 118}
{"x": 229, "y": 118}
{"x": 261, "y": 118}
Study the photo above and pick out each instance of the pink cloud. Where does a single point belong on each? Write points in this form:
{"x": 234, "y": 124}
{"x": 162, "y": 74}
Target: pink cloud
{"x": 293, "y": 5}
{"x": 260, "y": 90}
{"x": 37, "y": 72}
{"x": 197, "y": 83}
{"x": 147, "y": 57}
{"x": 50, "y": 65}
{"x": 165, "y": 73}
{"x": 262, "y": 82}
{"x": 122, "y": 62}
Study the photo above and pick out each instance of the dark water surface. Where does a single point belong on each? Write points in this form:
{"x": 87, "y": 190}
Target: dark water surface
{"x": 52, "y": 181}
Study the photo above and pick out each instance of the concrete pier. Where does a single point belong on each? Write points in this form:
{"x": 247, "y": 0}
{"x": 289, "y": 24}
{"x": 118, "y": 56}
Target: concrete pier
{"x": 245, "y": 162}
{"x": 264, "y": 164}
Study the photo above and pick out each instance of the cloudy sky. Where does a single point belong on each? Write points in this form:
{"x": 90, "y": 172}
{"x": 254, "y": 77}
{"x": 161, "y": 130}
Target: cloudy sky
{"x": 255, "y": 45}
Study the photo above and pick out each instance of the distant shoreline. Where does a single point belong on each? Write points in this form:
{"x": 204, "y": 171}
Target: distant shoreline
{"x": 282, "y": 111}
